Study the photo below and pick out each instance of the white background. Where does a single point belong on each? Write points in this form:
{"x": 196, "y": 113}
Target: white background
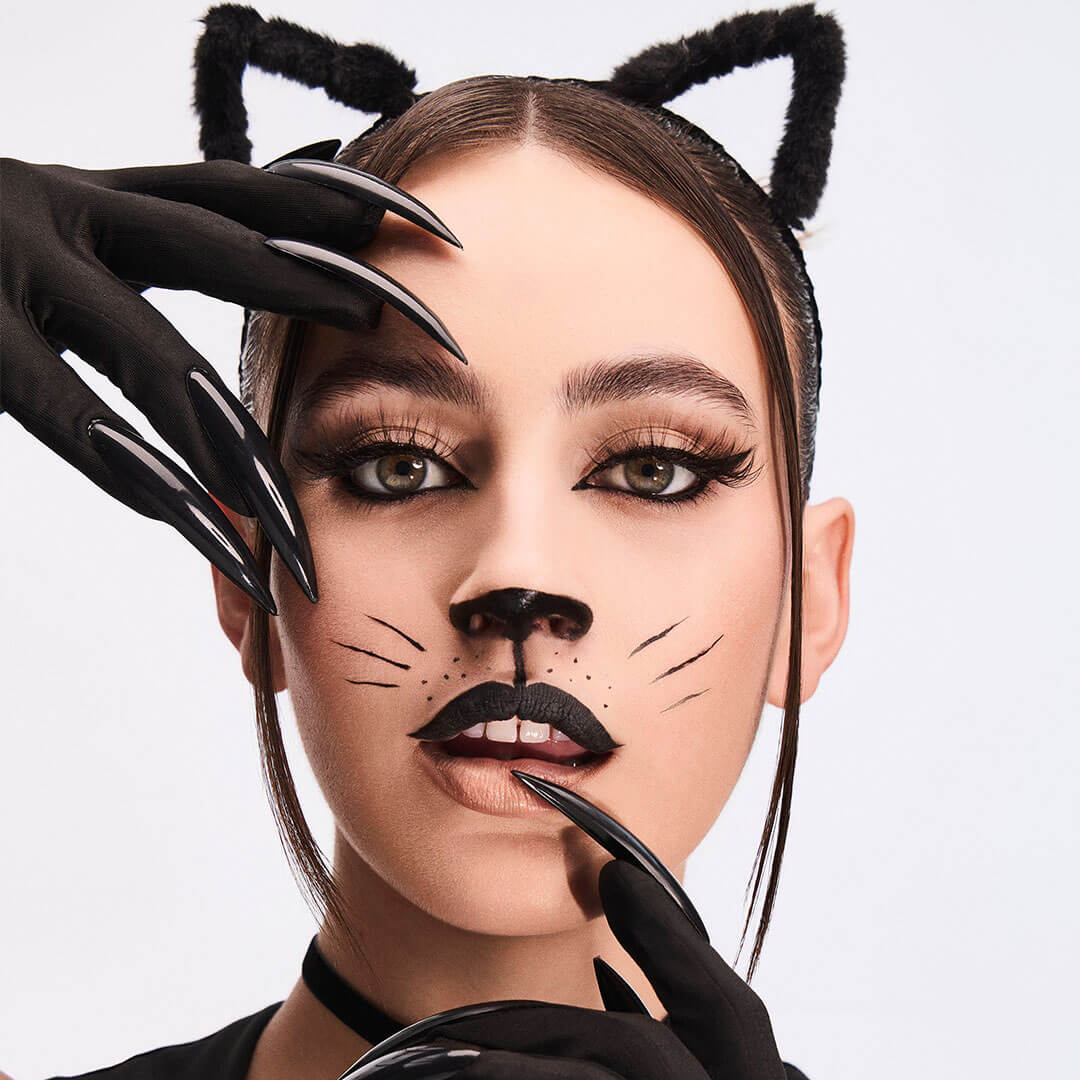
{"x": 925, "y": 920}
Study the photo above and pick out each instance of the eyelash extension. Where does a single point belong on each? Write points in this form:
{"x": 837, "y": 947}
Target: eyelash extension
{"x": 714, "y": 459}
{"x": 335, "y": 453}
{"x": 338, "y": 451}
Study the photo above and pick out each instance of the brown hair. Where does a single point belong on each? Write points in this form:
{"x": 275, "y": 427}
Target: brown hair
{"x": 670, "y": 162}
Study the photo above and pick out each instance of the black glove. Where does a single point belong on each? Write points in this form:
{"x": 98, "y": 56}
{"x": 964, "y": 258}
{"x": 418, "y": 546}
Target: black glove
{"x": 717, "y": 1028}
{"x": 78, "y": 248}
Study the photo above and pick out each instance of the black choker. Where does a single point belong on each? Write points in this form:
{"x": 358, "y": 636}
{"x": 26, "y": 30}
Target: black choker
{"x": 348, "y": 1005}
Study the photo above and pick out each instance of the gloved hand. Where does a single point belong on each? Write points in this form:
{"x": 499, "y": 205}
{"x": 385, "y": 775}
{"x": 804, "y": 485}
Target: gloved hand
{"x": 80, "y": 245}
{"x": 717, "y": 1028}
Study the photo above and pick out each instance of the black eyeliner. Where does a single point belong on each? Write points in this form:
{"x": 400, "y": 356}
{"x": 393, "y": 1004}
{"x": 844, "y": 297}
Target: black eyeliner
{"x": 711, "y": 459}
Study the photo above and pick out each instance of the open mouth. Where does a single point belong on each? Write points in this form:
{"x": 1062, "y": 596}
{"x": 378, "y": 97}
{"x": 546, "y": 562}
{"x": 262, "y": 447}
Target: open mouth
{"x": 516, "y": 739}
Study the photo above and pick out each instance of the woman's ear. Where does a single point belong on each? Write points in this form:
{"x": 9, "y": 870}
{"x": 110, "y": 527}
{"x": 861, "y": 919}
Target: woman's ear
{"x": 234, "y": 606}
{"x": 828, "y": 535}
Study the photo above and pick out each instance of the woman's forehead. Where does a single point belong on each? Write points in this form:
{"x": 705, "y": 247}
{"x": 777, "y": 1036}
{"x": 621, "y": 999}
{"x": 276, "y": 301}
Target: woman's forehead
{"x": 561, "y": 266}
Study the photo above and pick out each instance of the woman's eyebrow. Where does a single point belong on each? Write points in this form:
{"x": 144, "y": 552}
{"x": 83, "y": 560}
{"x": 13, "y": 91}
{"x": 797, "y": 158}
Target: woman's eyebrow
{"x": 626, "y": 378}
{"x": 436, "y": 377}
{"x": 423, "y": 374}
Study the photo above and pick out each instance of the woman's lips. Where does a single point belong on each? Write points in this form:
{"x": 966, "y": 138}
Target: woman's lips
{"x": 485, "y": 784}
{"x": 538, "y": 702}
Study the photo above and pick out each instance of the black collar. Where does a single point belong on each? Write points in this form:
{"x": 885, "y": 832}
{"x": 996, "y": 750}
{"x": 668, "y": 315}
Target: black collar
{"x": 348, "y": 1005}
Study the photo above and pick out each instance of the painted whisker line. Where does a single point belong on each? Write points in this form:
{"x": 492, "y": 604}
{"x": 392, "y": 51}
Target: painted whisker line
{"x": 400, "y": 633}
{"x": 679, "y": 667}
{"x": 364, "y": 682}
{"x": 519, "y": 663}
{"x": 368, "y": 652}
{"x": 683, "y": 700}
{"x": 656, "y": 637}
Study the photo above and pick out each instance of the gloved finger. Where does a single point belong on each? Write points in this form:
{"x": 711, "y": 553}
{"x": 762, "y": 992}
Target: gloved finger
{"x": 618, "y": 995}
{"x": 178, "y": 246}
{"x": 628, "y": 1045}
{"x": 614, "y": 837}
{"x": 128, "y": 340}
{"x": 502, "y": 1065}
{"x": 325, "y": 202}
{"x": 43, "y": 394}
{"x": 710, "y": 1008}
{"x": 432, "y": 1062}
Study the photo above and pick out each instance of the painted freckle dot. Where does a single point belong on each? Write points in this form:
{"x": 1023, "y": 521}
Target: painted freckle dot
{"x": 463, "y": 674}
{"x": 446, "y": 676}
{"x": 456, "y": 659}
{"x": 575, "y": 659}
{"x": 605, "y": 706}
{"x": 430, "y": 699}
{"x": 588, "y": 676}
{"x": 550, "y": 670}
{"x": 423, "y": 682}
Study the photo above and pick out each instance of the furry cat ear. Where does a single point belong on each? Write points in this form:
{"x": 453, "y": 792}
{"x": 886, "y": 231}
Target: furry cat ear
{"x": 364, "y": 77}
{"x": 815, "y": 44}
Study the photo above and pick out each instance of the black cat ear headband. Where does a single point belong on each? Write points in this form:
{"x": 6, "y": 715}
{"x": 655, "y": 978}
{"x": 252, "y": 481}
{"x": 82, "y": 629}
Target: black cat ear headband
{"x": 368, "y": 78}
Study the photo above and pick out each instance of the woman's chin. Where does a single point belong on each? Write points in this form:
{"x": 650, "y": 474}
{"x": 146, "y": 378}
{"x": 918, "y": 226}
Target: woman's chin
{"x": 512, "y": 897}
{"x": 514, "y": 916}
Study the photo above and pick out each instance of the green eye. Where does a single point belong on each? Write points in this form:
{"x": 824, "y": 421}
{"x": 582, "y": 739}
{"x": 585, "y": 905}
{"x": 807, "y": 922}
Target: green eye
{"x": 401, "y": 474}
{"x": 647, "y": 475}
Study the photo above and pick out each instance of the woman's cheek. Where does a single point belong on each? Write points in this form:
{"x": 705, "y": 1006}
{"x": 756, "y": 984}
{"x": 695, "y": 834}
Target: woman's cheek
{"x": 694, "y": 728}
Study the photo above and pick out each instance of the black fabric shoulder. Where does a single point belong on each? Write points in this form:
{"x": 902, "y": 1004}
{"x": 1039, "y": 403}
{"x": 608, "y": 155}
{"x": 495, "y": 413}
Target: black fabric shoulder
{"x": 224, "y": 1055}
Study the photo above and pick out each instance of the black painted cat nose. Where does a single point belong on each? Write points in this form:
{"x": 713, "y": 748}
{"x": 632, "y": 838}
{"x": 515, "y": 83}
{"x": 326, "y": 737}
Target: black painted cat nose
{"x": 514, "y": 613}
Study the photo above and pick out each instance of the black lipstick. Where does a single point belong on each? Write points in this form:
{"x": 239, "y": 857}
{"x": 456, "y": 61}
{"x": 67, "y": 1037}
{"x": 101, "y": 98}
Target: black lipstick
{"x": 538, "y": 702}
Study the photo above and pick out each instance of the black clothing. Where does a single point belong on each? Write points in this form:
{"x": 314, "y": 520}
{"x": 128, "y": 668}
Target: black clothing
{"x": 227, "y": 1054}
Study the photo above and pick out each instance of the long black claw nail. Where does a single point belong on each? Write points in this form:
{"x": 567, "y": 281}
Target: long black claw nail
{"x": 428, "y": 1024}
{"x": 259, "y": 475}
{"x": 371, "y": 281}
{"x": 618, "y": 995}
{"x": 417, "y": 1062}
{"x": 179, "y": 500}
{"x": 370, "y": 188}
{"x": 324, "y": 151}
{"x": 617, "y": 839}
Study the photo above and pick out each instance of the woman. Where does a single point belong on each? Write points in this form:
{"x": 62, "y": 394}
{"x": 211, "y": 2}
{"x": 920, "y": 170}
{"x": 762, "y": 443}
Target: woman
{"x": 595, "y": 518}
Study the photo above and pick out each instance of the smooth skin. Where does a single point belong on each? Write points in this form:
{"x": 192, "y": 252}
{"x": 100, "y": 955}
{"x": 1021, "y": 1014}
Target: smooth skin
{"x": 561, "y": 268}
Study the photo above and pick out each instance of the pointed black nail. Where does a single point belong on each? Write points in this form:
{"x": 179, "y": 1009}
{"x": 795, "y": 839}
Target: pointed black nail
{"x": 430, "y": 1023}
{"x": 326, "y": 150}
{"x": 370, "y": 188}
{"x": 618, "y": 995}
{"x": 180, "y": 501}
{"x": 617, "y": 839}
{"x": 417, "y": 1062}
{"x": 371, "y": 281}
{"x": 257, "y": 472}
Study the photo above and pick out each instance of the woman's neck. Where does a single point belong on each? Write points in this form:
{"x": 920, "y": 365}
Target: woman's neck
{"x": 414, "y": 965}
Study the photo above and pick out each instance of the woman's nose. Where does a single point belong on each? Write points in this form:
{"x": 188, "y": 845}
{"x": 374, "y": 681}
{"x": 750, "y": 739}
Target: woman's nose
{"x": 514, "y": 613}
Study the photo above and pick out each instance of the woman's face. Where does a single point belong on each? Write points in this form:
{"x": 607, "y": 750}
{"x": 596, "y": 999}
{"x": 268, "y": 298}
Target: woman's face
{"x": 612, "y": 378}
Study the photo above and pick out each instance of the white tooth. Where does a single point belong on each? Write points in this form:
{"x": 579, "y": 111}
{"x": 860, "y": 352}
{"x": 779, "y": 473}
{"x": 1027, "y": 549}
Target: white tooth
{"x": 502, "y": 730}
{"x": 475, "y": 732}
{"x": 530, "y": 732}
{"x": 558, "y": 736}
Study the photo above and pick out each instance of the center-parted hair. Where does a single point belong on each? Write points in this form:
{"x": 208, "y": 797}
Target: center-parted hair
{"x": 620, "y": 128}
